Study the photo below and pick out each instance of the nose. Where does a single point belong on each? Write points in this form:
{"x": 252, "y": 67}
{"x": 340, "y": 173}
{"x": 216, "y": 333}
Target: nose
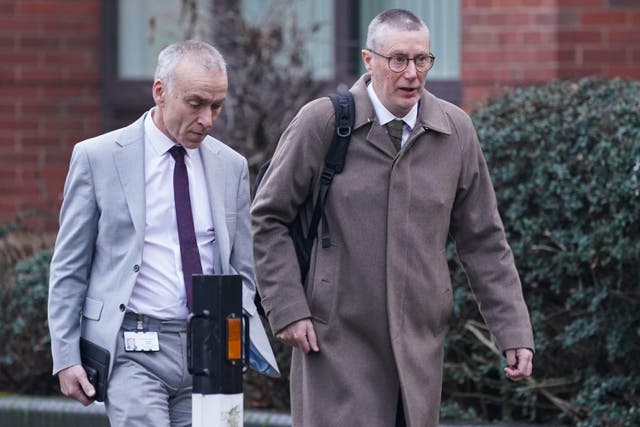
{"x": 411, "y": 72}
{"x": 206, "y": 118}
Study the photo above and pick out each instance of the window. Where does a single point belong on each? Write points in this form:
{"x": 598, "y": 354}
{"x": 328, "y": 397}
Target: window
{"x": 146, "y": 26}
{"x": 305, "y": 14}
{"x": 134, "y": 32}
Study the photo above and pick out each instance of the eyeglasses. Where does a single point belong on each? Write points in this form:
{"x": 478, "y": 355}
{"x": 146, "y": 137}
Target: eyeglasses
{"x": 399, "y": 62}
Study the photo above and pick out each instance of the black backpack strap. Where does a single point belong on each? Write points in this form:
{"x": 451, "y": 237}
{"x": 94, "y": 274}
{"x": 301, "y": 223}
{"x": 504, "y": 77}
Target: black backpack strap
{"x": 334, "y": 162}
{"x": 260, "y": 175}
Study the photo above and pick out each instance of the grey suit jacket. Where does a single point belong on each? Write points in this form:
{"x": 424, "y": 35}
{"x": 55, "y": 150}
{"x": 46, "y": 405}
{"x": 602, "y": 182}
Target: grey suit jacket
{"x": 98, "y": 249}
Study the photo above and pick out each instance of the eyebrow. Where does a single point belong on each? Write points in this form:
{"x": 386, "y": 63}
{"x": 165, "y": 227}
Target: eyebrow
{"x": 201, "y": 100}
{"x": 193, "y": 97}
{"x": 406, "y": 54}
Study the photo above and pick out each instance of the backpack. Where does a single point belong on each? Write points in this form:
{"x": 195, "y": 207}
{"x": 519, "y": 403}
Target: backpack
{"x": 333, "y": 164}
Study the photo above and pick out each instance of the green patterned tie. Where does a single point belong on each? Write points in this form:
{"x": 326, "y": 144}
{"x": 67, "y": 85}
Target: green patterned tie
{"x": 395, "y": 128}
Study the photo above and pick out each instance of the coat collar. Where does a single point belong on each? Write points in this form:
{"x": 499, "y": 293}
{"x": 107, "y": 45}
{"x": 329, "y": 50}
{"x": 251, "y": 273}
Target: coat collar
{"x": 431, "y": 114}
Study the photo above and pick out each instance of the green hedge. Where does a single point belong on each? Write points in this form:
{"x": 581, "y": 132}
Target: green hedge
{"x": 565, "y": 161}
{"x": 25, "y": 359}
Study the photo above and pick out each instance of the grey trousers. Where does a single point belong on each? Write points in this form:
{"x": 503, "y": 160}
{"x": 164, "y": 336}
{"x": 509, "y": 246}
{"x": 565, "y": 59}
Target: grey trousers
{"x": 151, "y": 389}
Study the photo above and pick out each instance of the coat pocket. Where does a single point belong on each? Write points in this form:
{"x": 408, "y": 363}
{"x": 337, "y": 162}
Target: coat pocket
{"x": 92, "y": 308}
{"x": 324, "y": 283}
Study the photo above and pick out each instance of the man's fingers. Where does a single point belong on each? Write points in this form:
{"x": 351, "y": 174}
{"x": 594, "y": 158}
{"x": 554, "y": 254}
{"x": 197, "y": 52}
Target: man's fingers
{"x": 524, "y": 357}
{"x": 302, "y": 343}
{"x": 87, "y": 387}
{"x": 513, "y": 373}
{"x": 311, "y": 337}
{"x": 300, "y": 334}
{"x": 519, "y": 363}
{"x": 300, "y": 339}
{"x": 75, "y": 384}
{"x": 75, "y": 392}
{"x": 525, "y": 365}
{"x": 82, "y": 398}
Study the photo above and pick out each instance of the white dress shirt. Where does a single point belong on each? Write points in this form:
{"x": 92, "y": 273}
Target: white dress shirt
{"x": 384, "y": 116}
{"x": 159, "y": 290}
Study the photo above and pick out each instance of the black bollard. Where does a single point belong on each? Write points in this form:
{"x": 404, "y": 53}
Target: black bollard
{"x": 216, "y": 348}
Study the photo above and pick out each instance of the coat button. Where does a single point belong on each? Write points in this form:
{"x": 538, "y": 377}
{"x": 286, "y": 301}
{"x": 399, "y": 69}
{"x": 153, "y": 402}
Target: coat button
{"x": 122, "y": 307}
{"x": 136, "y": 268}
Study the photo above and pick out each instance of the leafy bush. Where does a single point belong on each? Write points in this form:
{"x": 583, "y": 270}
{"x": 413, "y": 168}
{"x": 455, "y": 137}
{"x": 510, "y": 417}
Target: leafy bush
{"x": 25, "y": 357}
{"x": 263, "y": 392}
{"x": 565, "y": 161}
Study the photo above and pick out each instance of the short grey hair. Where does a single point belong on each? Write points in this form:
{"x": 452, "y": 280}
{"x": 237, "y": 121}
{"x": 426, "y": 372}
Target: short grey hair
{"x": 397, "y": 19}
{"x": 205, "y": 54}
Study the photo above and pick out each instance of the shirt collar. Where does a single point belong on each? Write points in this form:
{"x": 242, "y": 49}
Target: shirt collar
{"x": 159, "y": 142}
{"x": 155, "y": 138}
{"x": 385, "y": 116}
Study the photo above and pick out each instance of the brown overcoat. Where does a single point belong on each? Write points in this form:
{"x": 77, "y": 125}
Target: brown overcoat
{"x": 380, "y": 296}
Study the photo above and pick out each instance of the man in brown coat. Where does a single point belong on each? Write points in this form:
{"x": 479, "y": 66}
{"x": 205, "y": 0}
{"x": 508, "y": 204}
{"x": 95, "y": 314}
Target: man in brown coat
{"x": 368, "y": 325}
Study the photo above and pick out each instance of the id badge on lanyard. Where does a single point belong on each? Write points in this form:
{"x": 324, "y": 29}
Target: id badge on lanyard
{"x": 141, "y": 340}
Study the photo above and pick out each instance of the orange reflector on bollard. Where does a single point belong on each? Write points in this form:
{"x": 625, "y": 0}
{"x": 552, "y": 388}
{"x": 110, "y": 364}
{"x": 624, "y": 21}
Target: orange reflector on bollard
{"x": 234, "y": 338}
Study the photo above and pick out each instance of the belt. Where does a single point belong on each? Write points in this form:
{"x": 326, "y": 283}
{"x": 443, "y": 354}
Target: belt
{"x": 131, "y": 323}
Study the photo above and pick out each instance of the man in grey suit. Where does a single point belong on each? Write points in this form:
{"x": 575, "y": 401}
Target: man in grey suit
{"x": 117, "y": 267}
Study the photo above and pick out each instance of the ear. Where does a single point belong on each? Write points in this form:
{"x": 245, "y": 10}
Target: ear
{"x": 159, "y": 93}
{"x": 367, "y": 57}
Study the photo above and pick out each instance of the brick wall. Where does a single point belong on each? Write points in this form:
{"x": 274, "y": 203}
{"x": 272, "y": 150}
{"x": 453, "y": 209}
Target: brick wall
{"x": 599, "y": 37}
{"x": 50, "y": 56}
{"x": 522, "y": 42}
{"x": 49, "y": 97}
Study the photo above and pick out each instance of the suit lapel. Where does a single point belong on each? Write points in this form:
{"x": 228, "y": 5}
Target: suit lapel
{"x": 214, "y": 170}
{"x": 129, "y": 160}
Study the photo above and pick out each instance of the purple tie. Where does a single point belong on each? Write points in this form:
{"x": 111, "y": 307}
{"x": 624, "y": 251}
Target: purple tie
{"x": 186, "y": 232}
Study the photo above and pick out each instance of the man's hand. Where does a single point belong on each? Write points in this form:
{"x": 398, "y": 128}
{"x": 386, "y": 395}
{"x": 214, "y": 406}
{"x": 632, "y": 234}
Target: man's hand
{"x": 74, "y": 383}
{"x": 519, "y": 363}
{"x": 300, "y": 334}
